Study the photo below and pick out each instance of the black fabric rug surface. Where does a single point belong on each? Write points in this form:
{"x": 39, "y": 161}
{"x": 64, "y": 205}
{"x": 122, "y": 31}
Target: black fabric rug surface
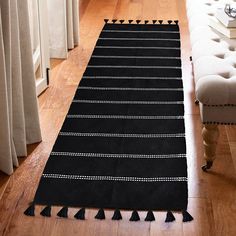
{"x": 122, "y": 144}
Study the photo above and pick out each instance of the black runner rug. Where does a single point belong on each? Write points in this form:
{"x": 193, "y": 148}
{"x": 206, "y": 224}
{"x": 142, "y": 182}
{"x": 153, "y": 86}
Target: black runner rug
{"x": 122, "y": 144}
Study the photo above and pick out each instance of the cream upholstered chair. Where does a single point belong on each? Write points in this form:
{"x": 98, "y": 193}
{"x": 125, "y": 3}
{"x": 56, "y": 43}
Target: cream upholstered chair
{"x": 214, "y": 64}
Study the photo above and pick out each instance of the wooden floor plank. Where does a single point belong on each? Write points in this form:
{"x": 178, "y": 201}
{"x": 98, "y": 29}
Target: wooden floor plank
{"x": 4, "y": 179}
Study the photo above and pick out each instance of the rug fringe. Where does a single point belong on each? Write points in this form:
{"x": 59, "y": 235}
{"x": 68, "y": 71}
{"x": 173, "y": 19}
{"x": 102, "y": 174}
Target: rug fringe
{"x": 140, "y": 21}
{"x": 100, "y": 215}
{"x": 63, "y": 212}
{"x": 169, "y": 217}
{"x": 134, "y": 216}
{"x": 80, "y": 215}
{"x": 46, "y": 211}
{"x": 150, "y": 216}
{"x": 186, "y": 216}
{"x": 30, "y": 210}
{"x": 117, "y": 215}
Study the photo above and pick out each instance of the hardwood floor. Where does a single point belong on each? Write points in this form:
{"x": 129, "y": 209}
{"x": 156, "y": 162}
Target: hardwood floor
{"x": 212, "y": 196}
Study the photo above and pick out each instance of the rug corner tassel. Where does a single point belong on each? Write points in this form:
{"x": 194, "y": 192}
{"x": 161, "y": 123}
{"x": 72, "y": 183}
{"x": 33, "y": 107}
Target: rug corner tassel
{"x": 80, "y": 215}
{"x": 106, "y": 20}
{"x": 46, "y": 211}
{"x": 186, "y": 216}
{"x": 150, "y": 216}
{"x": 169, "y": 217}
{"x": 176, "y": 22}
{"x": 63, "y": 212}
{"x": 100, "y": 215}
{"x": 117, "y": 215}
{"x": 134, "y": 216}
{"x": 30, "y": 210}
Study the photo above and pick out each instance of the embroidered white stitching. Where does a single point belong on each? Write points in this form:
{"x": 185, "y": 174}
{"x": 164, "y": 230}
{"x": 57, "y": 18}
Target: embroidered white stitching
{"x": 123, "y": 47}
{"x": 116, "y": 178}
{"x": 125, "y": 117}
{"x": 136, "y": 67}
{"x": 117, "y": 135}
{"x": 132, "y": 89}
{"x": 109, "y": 155}
{"x": 141, "y": 31}
{"x": 141, "y": 57}
{"x": 130, "y": 77}
{"x": 141, "y": 39}
{"x": 128, "y": 102}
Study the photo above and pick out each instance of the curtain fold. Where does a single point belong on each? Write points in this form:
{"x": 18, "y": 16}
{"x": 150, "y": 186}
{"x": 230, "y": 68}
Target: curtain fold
{"x": 76, "y": 22}
{"x": 63, "y": 26}
{"x": 19, "y": 118}
{"x": 72, "y": 23}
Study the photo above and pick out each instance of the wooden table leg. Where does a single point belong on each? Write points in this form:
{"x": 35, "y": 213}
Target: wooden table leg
{"x": 210, "y": 134}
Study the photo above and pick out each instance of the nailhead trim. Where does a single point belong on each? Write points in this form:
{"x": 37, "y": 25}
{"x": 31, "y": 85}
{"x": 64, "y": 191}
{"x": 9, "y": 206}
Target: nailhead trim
{"x": 218, "y": 123}
{"x": 223, "y": 105}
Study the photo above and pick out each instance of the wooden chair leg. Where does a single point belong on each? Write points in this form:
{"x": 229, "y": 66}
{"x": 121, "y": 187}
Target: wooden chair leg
{"x": 210, "y": 134}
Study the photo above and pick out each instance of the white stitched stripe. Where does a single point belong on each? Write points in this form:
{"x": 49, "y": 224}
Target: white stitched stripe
{"x": 116, "y": 135}
{"x": 131, "y": 89}
{"x": 109, "y": 155}
{"x": 141, "y": 31}
{"x": 136, "y": 67}
{"x": 139, "y": 57}
{"x": 141, "y": 39}
{"x": 125, "y": 117}
{"x": 128, "y": 102}
{"x": 130, "y": 77}
{"x": 137, "y": 47}
{"x": 115, "y": 178}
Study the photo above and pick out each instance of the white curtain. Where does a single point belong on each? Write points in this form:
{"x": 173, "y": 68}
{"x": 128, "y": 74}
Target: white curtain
{"x": 63, "y": 26}
{"x": 34, "y": 24}
{"x": 72, "y": 23}
{"x": 19, "y": 120}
